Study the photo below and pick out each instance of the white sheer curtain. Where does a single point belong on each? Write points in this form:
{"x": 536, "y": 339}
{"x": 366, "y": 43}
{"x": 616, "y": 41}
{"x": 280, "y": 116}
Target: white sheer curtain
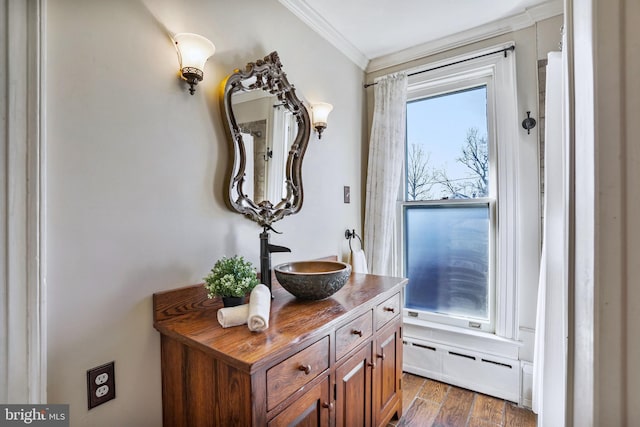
{"x": 550, "y": 352}
{"x": 386, "y": 157}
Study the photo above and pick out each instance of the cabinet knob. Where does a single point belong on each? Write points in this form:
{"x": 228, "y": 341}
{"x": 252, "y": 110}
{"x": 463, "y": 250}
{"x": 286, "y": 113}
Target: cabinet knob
{"x": 305, "y": 368}
{"x": 380, "y": 356}
{"x": 328, "y": 405}
{"x": 372, "y": 365}
{"x": 391, "y": 309}
{"x": 356, "y": 332}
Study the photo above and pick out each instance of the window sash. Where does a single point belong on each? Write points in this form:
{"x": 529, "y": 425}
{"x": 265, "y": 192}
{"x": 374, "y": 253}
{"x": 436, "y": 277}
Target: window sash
{"x": 485, "y": 85}
{"x": 466, "y": 321}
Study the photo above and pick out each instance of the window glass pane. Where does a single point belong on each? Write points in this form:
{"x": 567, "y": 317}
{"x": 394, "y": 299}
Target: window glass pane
{"x": 447, "y": 150}
{"x": 447, "y": 259}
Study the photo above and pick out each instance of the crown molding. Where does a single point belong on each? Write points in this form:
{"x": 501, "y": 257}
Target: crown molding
{"x": 496, "y": 28}
{"x": 309, "y": 16}
{"x": 529, "y": 17}
{"x": 546, "y": 10}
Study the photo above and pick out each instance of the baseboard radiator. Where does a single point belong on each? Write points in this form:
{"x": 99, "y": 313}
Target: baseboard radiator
{"x": 488, "y": 374}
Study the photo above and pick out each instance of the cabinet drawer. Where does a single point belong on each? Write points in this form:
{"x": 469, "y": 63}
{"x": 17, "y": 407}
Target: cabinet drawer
{"x": 311, "y": 409}
{"x": 353, "y": 334}
{"x": 289, "y": 375}
{"x": 387, "y": 310}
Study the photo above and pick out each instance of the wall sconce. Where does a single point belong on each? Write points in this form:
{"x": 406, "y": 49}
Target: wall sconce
{"x": 320, "y": 111}
{"x": 193, "y": 52}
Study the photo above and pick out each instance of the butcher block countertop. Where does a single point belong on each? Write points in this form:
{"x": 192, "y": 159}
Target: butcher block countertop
{"x": 190, "y": 317}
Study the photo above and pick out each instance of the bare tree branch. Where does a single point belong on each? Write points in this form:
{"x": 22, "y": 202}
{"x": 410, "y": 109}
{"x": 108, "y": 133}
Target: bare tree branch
{"x": 452, "y": 189}
{"x": 475, "y": 156}
{"x": 420, "y": 177}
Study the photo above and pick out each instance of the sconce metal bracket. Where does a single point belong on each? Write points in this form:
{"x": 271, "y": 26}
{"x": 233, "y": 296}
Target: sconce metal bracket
{"x": 529, "y": 123}
{"x": 192, "y": 75}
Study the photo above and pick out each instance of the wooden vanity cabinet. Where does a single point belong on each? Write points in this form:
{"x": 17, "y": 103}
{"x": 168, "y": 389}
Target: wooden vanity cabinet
{"x": 368, "y": 382}
{"x": 387, "y": 378}
{"x": 336, "y": 362}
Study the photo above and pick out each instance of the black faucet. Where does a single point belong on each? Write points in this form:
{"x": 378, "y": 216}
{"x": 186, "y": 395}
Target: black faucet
{"x": 266, "y": 249}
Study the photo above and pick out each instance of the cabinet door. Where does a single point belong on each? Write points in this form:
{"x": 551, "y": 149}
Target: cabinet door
{"x": 312, "y": 409}
{"x": 387, "y": 396}
{"x": 353, "y": 390}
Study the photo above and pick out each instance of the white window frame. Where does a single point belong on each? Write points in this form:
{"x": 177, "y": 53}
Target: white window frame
{"x": 498, "y": 73}
{"x": 421, "y": 89}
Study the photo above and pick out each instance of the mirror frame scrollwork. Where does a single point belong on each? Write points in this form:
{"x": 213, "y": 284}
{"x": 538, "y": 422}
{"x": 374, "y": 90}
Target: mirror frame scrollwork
{"x": 265, "y": 74}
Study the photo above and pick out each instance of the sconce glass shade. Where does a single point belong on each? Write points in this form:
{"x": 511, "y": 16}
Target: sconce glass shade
{"x": 193, "y": 52}
{"x": 321, "y": 112}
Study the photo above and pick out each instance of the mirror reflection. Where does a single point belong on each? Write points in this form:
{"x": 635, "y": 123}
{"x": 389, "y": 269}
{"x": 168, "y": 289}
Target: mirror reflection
{"x": 268, "y": 131}
{"x": 268, "y": 128}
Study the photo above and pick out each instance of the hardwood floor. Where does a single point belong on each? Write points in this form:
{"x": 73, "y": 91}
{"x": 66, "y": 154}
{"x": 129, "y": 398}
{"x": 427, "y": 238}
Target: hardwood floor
{"x": 429, "y": 403}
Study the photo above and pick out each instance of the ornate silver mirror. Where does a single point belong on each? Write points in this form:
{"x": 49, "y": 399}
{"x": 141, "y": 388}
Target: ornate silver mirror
{"x": 269, "y": 129}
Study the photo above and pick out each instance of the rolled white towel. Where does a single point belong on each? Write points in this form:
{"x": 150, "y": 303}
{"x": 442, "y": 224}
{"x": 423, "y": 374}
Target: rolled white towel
{"x": 359, "y": 262}
{"x": 259, "y": 308}
{"x": 233, "y": 316}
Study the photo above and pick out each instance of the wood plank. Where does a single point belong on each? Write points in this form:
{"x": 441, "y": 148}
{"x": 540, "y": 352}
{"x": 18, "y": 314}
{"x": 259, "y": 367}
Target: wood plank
{"x": 434, "y": 391}
{"x": 455, "y": 409}
{"x": 200, "y": 383}
{"x": 477, "y": 422}
{"x": 485, "y": 411}
{"x": 173, "y": 391}
{"x": 519, "y": 417}
{"x": 411, "y": 386}
{"x": 421, "y": 413}
{"x": 488, "y": 408}
{"x": 176, "y": 302}
{"x": 231, "y": 397}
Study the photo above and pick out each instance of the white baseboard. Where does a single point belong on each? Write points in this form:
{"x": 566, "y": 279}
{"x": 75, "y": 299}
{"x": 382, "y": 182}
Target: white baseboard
{"x": 462, "y": 367}
{"x": 527, "y": 384}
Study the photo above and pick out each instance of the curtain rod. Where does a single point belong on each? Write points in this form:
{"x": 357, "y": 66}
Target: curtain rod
{"x": 505, "y": 50}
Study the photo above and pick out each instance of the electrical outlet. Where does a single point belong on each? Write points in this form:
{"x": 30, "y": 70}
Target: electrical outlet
{"x": 102, "y": 378}
{"x": 101, "y": 384}
{"x": 102, "y": 391}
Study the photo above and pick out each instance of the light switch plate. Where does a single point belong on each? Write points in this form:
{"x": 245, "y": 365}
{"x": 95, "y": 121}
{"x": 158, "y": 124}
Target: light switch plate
{"x": 347, "y": 194}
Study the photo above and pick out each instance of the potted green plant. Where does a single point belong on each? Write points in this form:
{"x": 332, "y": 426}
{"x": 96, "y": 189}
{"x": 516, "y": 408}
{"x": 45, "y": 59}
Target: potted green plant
{"x": 231, "y": 279}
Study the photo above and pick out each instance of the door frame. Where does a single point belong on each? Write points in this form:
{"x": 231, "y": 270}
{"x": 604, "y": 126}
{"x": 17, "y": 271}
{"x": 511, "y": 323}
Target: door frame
{"x": 23, "y": 362}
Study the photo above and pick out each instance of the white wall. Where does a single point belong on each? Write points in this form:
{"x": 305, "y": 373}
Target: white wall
{"x": 532, "y": 43}
{"x": 548, "y": 35}
{"x": 134, "y": 174}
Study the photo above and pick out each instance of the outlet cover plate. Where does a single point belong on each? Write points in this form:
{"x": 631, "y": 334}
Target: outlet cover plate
{"x": 96, "y": 380}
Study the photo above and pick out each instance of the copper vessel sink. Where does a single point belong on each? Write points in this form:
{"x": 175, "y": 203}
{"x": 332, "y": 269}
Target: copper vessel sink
{"x": 313, "y": 280}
